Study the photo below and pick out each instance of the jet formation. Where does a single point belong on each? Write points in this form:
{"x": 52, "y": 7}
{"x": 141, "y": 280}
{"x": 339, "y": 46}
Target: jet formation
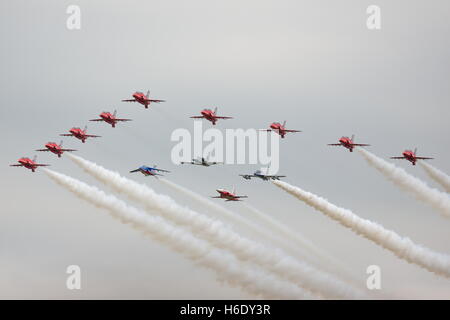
{"x": 207, "y": 114}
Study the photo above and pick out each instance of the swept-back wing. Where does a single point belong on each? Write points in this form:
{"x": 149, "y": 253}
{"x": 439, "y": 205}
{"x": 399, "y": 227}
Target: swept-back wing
{"x": 275, "y": 177}
{"x": 290, "y": 130}
{"x": 217, "y": 117}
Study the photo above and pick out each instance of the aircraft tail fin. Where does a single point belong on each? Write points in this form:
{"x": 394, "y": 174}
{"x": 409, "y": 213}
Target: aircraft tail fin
{"x": 115, "y": 112}
{"x": 284, "y": 123}
{"x": 34, "y": 158}
{"x": 415, "y": 150}
{"x": 215, "y": 110}
{"x": 61, "y": 143}
{"x": 148, "y": 94}
{"x": 85, "y": 128}
{"x": 353, "y": 137}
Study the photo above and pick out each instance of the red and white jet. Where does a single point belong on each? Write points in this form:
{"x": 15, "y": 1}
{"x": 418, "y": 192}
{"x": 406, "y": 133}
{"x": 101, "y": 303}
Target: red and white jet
{"x": 228, "y": 196}
{"x": 348, "y": 143}
{"x": 110, "y": 118}
{"x": 280, "y": 128}
{"x": 79, "y": 134}
{"x": 143, "y": 99}
{"x": 28, "y": 163}
{"x": 56, "y": 148}
{"x": 210, "y": 115}
{"x": 411, "y": 156}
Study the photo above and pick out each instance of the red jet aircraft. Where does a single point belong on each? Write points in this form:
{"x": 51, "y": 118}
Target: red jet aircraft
{"x": 348, "y": 143}
{"x": 143, "y": 99}
{"x": 210, "y": 115}
{"x": 411, "y": 156}
{"x": 28, "y": 163}
{"x": 79, "y": 134}
{"x": 56, "y": 148}
{"x": 110, "y": 118}
{"x": 228, "y": 196}
{"x": 280, "y": 129}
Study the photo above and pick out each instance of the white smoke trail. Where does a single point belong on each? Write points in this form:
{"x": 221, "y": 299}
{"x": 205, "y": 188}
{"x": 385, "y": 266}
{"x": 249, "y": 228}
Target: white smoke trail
{"x": 402, "y": 247}
{"x": 249, "y": 278}
{"x": 437, "y": 199}
{"x": 437, "y": 175}
{"x": 240, "y": 220}
{"x": 223, "y": 237}
{"x": 331, "y": 263}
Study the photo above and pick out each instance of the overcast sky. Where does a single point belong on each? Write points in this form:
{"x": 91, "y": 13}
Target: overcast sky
{"x": 313, "y": 63}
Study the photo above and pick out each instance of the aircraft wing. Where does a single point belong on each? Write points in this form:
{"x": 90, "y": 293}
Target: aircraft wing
{"x": 123, "y": 119}
{"x": 197, "y": 117}
{"x": 286, "y": 130}
{"x": 92, "y": 136}
{"x": 42, "y": 150}
{"x": 247, "y": 176}
{"x": 156, "y": 100}
{"x": 41, "y": 165}
{"x": 223, "y": 117}
{"x": 16, "y": 165}
{"x": 68, "y": 150}
{"x": 96, "y": 120}
{"x": 334, "y": 144}
{"x": 66, "y": 134}
{"x": 238, "y": 197}
{"x": 129, "y": 100}
{"x": 360, "y": 145}
{"x": 424, "y": 158}
{"x": 275, "y": 177}
{"x": 398, "y": 158}
{"x": 136, "y": 170}
{"x": 161, "y": 170}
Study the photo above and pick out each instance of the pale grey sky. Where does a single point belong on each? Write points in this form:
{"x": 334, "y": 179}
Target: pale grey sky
{"x": 313, "y": 63}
